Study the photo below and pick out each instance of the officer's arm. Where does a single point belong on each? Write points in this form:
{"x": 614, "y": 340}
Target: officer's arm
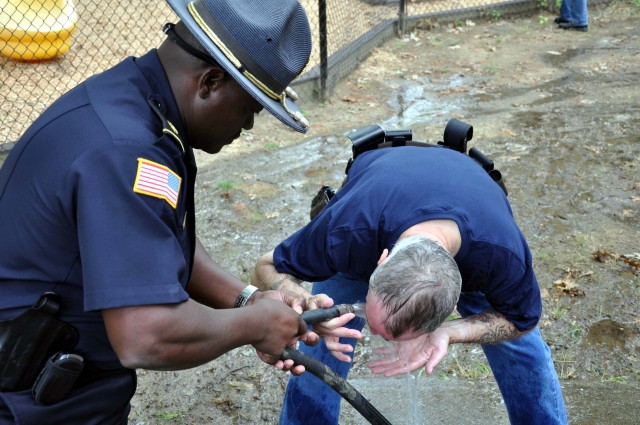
{"x": 210, "y": 284}
{"x": 188, "y": 334}
{"x": 178, "y": 336}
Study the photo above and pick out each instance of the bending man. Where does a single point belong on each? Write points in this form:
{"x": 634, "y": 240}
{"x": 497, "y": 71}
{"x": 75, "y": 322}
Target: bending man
{"x": 453, "y": 242}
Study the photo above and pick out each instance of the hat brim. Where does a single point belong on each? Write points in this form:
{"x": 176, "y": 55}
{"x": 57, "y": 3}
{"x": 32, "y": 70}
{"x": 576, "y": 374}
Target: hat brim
{"x": 271, "y": 105}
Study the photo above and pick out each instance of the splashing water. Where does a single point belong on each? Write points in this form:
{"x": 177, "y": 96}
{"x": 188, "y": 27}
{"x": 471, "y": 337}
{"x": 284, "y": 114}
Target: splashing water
{"x": 415, "y": 416}
{"x": 408, "y": 395}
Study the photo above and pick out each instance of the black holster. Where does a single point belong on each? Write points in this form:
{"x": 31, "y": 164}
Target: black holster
{"x": 28, "y": 340}
{"x": 321, "y": 200}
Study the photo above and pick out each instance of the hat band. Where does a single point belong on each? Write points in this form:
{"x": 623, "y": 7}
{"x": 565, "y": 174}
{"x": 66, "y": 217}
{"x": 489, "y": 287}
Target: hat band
{"x": 200, "y": 13}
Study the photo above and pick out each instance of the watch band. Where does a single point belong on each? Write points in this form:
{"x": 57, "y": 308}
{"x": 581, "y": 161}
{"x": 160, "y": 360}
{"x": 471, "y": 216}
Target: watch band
{"x": 244, "y": 296}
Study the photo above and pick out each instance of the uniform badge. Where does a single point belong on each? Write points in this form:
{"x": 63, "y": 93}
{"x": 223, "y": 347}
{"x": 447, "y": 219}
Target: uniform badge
{"x": 157, "y": 180}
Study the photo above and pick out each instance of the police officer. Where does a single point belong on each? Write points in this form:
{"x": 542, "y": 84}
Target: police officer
{"x": 96, "y": 205}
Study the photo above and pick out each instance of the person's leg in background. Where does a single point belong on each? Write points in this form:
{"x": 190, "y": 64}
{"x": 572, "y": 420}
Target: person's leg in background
{"x": 524, "y": 371}
{"x": 573, "y": 15}
{"x": 308, "y": 400}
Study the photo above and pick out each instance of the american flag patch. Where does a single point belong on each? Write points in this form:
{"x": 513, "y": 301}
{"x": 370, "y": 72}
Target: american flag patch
{"x": 156, "y": 180}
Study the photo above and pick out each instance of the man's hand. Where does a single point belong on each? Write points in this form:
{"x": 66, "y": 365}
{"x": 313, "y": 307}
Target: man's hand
{"x": 266, "y": 277}
{"x": 489, "y": 327}
{"x": 332, "y": 330}
{"x": 426, "y": 350}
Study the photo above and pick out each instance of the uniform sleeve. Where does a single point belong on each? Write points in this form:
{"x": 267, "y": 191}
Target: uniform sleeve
{"x": 130, "y": 243}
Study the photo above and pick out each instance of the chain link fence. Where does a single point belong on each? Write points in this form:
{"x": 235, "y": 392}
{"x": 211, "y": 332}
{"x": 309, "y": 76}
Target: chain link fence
{"x": 47, "y": 47}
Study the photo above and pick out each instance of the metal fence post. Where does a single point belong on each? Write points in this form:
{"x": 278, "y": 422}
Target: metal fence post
{"x": 324, "y": 66}
{"x": 402, "y": 17}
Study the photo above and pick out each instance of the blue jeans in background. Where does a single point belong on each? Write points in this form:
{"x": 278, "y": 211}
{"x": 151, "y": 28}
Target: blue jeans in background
{"x": 523, "y": 369}
{"x": 575, "y": 12}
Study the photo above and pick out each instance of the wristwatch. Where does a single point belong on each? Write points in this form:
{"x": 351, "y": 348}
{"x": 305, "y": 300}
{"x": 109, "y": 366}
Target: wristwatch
{"x": 244, "y": 296}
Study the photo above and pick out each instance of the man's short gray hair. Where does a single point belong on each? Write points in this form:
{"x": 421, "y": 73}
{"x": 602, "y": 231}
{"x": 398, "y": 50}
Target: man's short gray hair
{"x": 418, "y": 284}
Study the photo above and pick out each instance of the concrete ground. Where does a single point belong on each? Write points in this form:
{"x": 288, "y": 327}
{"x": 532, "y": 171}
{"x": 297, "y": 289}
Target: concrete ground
{"x": 425, "y": 401}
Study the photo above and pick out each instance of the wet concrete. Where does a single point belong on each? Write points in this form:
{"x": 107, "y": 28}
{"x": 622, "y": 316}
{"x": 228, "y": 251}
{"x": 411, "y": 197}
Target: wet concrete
{"x": 462, "y": 402}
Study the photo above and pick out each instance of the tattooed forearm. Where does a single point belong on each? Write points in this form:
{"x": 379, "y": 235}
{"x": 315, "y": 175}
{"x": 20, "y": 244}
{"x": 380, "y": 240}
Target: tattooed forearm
{"x": 497, "y": 333}
{"x": 275, "y": 285}
{"x": 495, "y": 328}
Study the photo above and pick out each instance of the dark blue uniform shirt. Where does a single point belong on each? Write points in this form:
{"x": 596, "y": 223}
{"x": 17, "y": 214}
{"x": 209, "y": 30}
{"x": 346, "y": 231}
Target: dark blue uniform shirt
{"x": 96, "y": 204}
{"x": 390, "y": 190}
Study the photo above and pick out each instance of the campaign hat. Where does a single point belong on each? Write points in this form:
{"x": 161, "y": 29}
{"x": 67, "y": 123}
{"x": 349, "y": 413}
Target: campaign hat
{"x": 263, "y": 44}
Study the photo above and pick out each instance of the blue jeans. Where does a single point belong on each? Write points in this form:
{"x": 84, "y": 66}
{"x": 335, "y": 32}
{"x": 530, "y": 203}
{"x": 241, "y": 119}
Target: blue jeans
{"x": 523, "y": 369}
{"x": 574, "y": 11}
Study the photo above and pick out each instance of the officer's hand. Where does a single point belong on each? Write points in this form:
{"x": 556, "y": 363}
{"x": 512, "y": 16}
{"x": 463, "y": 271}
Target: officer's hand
{"x": 294, "y": 301}
{"x": 280, "y": 326}
{"x": 284, "y": 365}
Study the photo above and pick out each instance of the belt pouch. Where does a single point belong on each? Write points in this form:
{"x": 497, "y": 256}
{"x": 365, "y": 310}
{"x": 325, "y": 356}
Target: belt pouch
{"x": 28, "y": 340}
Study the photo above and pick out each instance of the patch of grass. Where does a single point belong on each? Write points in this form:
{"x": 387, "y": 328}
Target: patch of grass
{"x": 565, "y": 366}
{"x": 558, "y": 309}
{"x": 475, "y": 370}
{"x": 400, "y": 43}
{"x": 169, "y": 416}
{"x": 496, "y": 15}
{"x": 542, "y": 20}
{"x": 575, "y": 331}
{"x": 225, "y": 185}
{"x": 269, "y": 146}
{"x": 542, "y": 4}
{"x": 613, "y": 378}
{"x": 256, "y": 217}
{"x": 441, "y": 376}
{"x": 434, "y": 41}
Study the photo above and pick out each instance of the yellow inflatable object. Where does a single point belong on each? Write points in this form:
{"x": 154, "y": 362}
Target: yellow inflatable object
{"x": 33, "y": 30}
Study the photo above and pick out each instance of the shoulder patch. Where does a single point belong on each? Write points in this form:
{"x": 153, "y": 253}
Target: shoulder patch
{"x": 157, "y": 180}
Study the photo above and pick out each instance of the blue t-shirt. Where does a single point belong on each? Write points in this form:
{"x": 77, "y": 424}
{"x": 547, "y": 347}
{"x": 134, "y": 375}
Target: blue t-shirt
{"x": 96, "y": 204}
{"x": 390, "y": 190}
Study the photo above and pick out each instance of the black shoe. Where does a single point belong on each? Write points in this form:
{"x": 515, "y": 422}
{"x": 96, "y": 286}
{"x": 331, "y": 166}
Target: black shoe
{"x": 559, "y": 20}
{"x": 574, "y": 27}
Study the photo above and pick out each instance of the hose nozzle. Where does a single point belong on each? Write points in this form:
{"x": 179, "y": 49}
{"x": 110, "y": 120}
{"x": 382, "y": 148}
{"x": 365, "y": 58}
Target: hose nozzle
{"x": 360, "y": 310}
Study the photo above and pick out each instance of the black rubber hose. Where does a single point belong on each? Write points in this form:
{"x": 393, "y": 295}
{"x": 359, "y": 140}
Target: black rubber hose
{"x": 311, "y": 317}
{"x": 339, "y": 385}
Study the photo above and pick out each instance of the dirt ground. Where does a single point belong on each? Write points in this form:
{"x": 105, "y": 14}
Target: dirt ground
{"x": 559, "y": 114}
